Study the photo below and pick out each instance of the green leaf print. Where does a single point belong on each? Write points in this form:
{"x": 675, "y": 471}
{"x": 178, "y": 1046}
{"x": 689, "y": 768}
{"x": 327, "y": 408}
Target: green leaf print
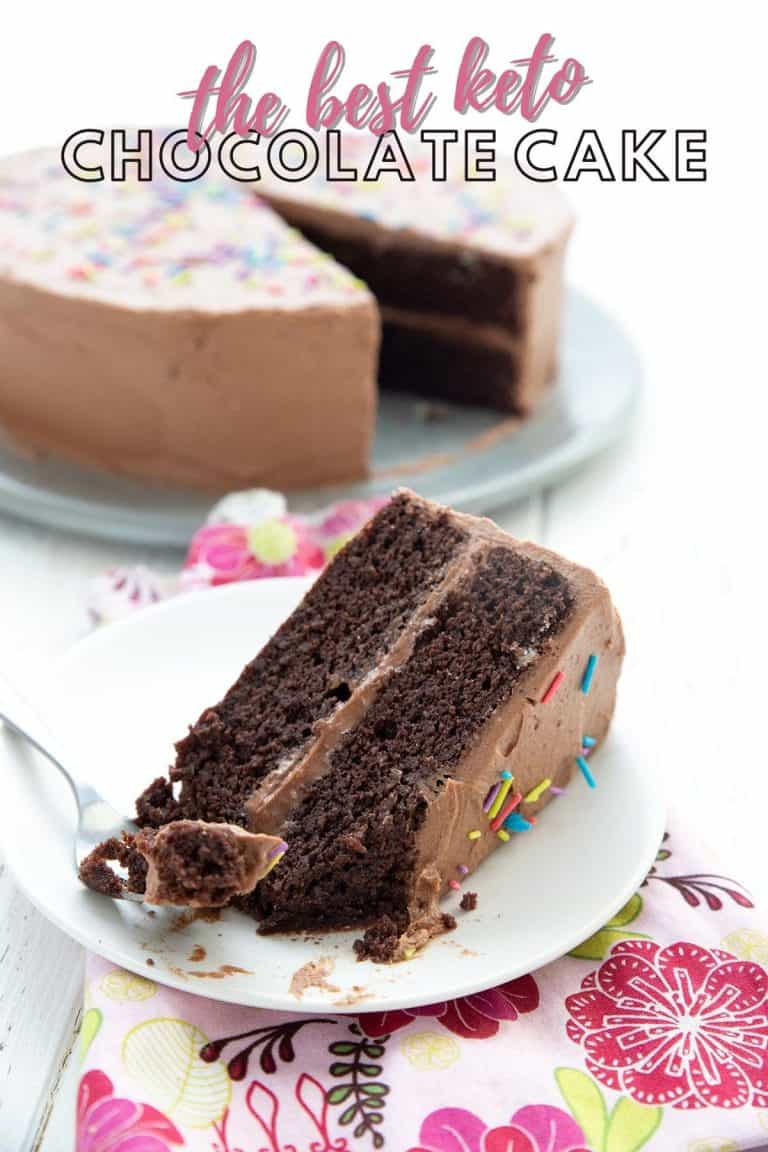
{"x": 340, "y": 1094}
{"x": 586, "y": 1104}
{"x": 364, "y": 1095}
{"x": 598, "y": 946}
{"x": 631, "y": 1125}
{"x": 625, "y": 1129}
{"x": 88, "y": 1030}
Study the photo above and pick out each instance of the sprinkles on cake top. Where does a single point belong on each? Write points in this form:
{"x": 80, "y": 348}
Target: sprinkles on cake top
{"x": 510, "y": 215}
{"x": 205, "y": 244}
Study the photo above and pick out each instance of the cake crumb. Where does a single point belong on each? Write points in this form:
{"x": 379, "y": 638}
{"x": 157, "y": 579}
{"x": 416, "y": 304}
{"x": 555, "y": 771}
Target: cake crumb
{"x": 197, "y": 954}
{"x": 150, "y": 962}
{"x": 313, "y": 974}
{"x": 357, "y": 996}
{"x": 220, "y": 972}
{"x": 468, "y": 902}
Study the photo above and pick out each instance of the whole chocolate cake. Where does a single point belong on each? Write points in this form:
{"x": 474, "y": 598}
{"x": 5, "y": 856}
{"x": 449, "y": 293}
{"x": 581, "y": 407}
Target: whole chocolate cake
{"x": 438, "y": 684}
{"x": 195, "y": 334}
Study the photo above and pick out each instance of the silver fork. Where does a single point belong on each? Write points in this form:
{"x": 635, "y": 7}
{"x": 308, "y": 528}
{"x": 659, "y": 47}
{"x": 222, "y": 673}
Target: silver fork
{"x": 96, "y": 819}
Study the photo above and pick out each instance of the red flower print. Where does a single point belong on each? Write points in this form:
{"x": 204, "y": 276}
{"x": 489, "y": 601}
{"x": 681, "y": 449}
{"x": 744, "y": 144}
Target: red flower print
{"x": 107, "y": 1123}
{"x": 474, "y": 1017}
{"x": 536, "y": 1128}
{"x": 680, "y": 1025}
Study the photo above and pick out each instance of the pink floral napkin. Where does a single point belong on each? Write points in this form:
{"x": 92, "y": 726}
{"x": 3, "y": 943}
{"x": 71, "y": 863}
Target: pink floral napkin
{"x": 651, "y": 1034}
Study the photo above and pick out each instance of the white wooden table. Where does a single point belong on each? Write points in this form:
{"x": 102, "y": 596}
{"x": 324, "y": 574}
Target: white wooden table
{"x": 670, "y": 518}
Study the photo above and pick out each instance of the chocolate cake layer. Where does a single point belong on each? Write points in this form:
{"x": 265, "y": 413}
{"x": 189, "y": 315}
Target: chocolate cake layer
{"x": 447, "y": 362}
{"x": 405, "y": 271}
{"x": 313, "y": 664}
{"x": 353, "y": 835}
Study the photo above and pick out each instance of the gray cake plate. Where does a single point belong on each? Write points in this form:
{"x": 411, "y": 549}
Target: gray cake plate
{"x": 471, "y": 458}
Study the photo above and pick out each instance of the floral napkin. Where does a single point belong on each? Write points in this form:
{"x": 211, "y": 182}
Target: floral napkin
{"x": 651, "y": 1034}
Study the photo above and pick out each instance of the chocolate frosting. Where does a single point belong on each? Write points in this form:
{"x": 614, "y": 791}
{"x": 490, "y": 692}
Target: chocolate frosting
{"x": 178, "y": 332}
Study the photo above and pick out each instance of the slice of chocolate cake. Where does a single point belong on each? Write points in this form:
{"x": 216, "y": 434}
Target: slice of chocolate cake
{"x": 434, "y": 689}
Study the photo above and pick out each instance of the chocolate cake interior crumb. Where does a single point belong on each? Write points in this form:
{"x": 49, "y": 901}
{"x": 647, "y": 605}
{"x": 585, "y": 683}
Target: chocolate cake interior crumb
{"x": 192, "y": 863}
{"x": 468, "y": 902}
{"x": 465, "y": 663}
{"x": 96, "y": 873}
{"x": 311, "y": 665}
{"x": 380, "y": 940}
{"x": 440, "y": 364}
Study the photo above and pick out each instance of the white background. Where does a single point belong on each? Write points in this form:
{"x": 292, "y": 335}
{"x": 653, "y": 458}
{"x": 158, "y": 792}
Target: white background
{"x": 673, "y": 519}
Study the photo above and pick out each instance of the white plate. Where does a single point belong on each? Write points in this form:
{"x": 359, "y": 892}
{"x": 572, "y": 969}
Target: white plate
{"x": 126, "y": 692}
{"x": 471, "y": 458}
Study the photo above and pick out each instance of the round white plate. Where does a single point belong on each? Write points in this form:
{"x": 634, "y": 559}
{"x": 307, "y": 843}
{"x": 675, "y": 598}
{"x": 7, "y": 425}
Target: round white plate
{"x": 125, "y": 693}
{"x": 471, "y": 458}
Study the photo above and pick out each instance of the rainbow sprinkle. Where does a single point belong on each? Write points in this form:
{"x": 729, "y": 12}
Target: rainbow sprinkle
{"x": 588, "y": 741}
{"x": 556, "y": 682}
{"x": 409, "y": 953}
{"x": 455, "y": 885}
{"x": 462, "y": 869}
{"x": 475, "y": 834}
{"x": 534, "y": 793}
{"x": 506, "y": 784}
{"x": 275, "y": 855}
{"x": 502, "y": 835}
{"x": 517, "y": 823}
{"x": 510, "y": 806}
{"x": 584, "y": 768}
{"x": 556, "y": 791}
{"x": 493, "y": 792}
{"x": 589, "y": 672}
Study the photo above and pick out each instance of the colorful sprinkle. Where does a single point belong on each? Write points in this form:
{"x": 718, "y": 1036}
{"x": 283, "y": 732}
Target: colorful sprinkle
{"x": 534, "y": 793}
{"x": 278, "y": 850}
{"x": 275, "y": 856}
{"x": 493, "y": 792}
{"x": 502, "y": 835}
{"x": 589, "y": 672}
{"x": 557, "y": 791}
{"x": 517, "y": 823}
{"x": 506, "y": 775}
{"x": 510, "y": 806}
{"x": 557, "y": 680}
{"x": 475, "y": 834}
{"x": 584, "y": 768}
{"x": 455, "y": 885}
{"x": 506, "y": 784}
{"x": 588, "y": 741}
{"x": 409, "y": 953}
{"x": 462, "y": 869}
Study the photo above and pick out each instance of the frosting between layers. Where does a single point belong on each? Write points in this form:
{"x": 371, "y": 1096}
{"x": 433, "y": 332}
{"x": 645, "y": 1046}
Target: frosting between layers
{"x": 456, "y": 328}
{"x": 283, "y": 788}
